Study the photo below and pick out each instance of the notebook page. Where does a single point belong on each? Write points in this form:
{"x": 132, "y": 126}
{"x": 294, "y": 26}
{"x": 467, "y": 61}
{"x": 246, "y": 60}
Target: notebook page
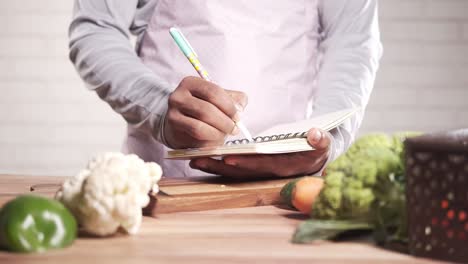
{"x": 325, "y": 122}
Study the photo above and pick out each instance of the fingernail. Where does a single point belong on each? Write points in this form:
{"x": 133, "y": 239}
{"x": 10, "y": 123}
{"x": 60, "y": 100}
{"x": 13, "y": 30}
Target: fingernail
{"x": 236, "y": 117}
{"x": 316, "y": 136}
{"x": 235, "y": 130}
{"x": 239, "y": 107}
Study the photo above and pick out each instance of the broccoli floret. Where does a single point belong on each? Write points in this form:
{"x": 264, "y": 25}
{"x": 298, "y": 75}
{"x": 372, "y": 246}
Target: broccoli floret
{"x": 329, "y": 199}
{"x": 335, "y": 179}
{"x": 352, "y": 183}
{"x": 398, "y": 141}
{"x": 358, "y": 151}
{"x": 327, "y": 204}
{"x": 376, "y": 140}
{"x": 357, "y": 202}
{"x": 371, "y": 163}
{"x": 365, "y": 172}
{"x": 352, "y": 179}
{"x": 333, "y": 196}
{"x": 322, "y": 209}
{"x": 342, "y": 164}
{"x": 367, "y": 184}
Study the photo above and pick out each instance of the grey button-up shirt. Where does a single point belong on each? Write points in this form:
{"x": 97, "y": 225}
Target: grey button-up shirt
{"x": 109, "y": 64}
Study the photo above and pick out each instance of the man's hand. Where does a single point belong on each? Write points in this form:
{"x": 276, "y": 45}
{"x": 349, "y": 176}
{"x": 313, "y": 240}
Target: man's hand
{"x": 201, "y": 114}
{"x": 280, "y": 165}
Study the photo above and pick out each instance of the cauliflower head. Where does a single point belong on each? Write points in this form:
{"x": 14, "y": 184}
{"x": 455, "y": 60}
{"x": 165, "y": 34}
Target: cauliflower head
{"x": 110, "y": 193}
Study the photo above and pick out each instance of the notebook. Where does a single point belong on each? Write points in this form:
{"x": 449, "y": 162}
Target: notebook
{"x": 280, "y": 139}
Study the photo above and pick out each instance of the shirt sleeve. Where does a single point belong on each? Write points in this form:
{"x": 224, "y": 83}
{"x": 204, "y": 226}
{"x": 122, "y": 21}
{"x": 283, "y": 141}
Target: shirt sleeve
{"x": 105, "y": 59}
{"x": 351, "y": 50}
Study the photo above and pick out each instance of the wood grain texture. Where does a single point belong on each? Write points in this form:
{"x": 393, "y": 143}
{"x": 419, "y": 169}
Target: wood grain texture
{"x": 244, "y": 235}
{"x": 202, "y": 185}
{"x": 208, "y": 193}
{"x": 183, "y": 194}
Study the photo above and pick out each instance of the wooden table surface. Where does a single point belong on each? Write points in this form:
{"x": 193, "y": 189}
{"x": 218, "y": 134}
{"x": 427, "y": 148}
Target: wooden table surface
{"x": 247, "y": 235}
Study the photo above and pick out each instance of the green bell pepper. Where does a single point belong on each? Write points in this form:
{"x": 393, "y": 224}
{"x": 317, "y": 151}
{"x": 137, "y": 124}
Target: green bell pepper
{"x": 35, "y": 224}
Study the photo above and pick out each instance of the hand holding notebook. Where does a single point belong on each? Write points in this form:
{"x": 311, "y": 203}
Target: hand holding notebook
{"x": 283, "y": 138}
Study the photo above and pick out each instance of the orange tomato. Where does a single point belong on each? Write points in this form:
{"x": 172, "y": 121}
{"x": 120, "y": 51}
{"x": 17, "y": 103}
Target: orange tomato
{"x": 304, "y": 193}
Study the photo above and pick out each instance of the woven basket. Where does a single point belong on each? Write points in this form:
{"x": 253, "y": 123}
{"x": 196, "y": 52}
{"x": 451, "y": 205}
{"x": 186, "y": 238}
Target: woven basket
{"x": 437, "y": 195}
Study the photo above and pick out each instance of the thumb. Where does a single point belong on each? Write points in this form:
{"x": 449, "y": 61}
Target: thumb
{"x": 319, "y": 139}
{"x": 239, "y": 98}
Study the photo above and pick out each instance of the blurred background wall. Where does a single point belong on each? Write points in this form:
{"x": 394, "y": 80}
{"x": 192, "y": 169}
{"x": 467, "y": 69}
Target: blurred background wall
{"x": 51, "y": 125}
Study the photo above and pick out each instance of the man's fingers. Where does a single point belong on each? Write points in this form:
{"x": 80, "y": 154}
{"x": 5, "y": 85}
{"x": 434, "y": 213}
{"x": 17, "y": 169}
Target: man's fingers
{"x": 200, "y": 113}
{"x": 193, "y": 127}
{"x": 208, "y": 113}
{"x": 239, "y": 98}
{"x": 215, "y": 95}
{"x": 319, "y": 139}
{"x": 220, "y": 168}
{"x": 280, "y": 165}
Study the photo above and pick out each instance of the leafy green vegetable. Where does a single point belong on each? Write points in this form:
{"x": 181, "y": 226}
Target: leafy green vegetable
{"x": 313, "y": 229}
{"x": 349, "y": 192}
{"x": 364, "y": 187}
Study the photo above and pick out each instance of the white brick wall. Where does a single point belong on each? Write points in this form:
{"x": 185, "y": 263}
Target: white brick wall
{"x": 50, "y": 124}
{"x": 423, "y": 82}
{"x": 465, "y": 32}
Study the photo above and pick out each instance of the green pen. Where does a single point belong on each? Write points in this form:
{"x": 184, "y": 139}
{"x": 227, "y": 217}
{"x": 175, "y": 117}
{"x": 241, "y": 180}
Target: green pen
{"x": 192, "y": 56}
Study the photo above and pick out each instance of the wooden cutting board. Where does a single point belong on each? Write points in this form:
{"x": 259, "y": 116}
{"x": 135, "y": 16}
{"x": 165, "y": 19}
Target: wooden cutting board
{"x": 177, "y": 194}
{"x": 208, "y": 193}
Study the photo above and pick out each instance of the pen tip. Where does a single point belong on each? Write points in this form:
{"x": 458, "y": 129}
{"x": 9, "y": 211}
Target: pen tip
{"x": 244, "y": 131}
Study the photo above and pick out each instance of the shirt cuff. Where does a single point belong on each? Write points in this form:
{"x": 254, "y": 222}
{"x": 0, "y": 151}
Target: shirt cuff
{"x": 158, "y": 131}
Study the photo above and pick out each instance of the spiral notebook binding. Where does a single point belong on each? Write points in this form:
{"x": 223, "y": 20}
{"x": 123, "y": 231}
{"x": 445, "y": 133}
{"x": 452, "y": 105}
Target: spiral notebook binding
{"x": 260, "y": 139}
